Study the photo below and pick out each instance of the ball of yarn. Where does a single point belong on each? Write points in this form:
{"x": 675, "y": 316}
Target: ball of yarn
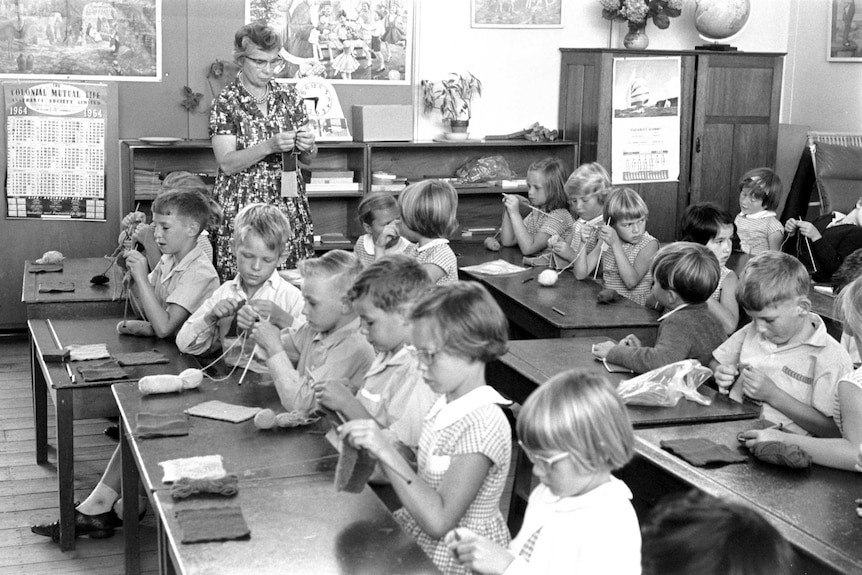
{"x": 264, "y": 419}
{"x": 191, "y": 377}
{"x": 136, "y": 327}
{"x": 51, "y": 257}
{"x": 548, "y": 278}
{"x": 165, "y": 383}
{"x": 607, "y": 296}
{"x": 492, "y": 244}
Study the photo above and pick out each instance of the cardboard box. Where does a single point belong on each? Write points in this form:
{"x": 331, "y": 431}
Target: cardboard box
{"x": 389, "y": 123}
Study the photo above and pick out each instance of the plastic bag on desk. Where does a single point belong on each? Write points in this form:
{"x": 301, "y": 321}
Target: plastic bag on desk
{"x": 485, "y": 170}
{"x": 663, "y": 387}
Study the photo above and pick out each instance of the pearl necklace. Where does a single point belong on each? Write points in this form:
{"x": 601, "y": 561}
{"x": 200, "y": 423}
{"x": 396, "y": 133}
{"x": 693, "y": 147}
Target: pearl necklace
{"x": 257, "y": 100}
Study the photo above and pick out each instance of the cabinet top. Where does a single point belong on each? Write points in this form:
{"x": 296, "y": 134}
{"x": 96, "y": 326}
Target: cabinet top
{"x": 671, "y": 52}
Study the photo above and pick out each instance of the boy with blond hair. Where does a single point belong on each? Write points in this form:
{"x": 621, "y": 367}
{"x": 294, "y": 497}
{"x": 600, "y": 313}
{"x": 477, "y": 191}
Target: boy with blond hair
{"x": 260, "y": 234}
{"x": 684, "y": 276}
{"x": 784, "y": 358}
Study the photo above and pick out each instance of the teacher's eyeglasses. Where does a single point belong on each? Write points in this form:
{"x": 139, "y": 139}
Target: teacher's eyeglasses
{"x": 277, "y": 64}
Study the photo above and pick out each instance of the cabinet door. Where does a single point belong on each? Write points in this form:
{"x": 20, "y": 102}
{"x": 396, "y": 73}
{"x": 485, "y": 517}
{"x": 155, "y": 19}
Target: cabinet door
{"x": 735, "y": 123}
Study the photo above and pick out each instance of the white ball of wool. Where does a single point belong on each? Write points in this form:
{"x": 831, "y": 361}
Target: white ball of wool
{"x": 548, "y": 278}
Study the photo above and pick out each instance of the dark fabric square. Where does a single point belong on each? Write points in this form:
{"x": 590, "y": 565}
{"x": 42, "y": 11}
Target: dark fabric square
{"x": 701, "y": 452}
{"x": 102, "y": 371}
{"x": 354, "y": 468}
{"x": 212, "y": 523}
{"x": 58, "y": 286}
{"x": 141, "y": 357}
{"x": 151, "y": 425}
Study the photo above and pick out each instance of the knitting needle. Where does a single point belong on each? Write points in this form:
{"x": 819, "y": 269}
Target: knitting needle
{"x": 250, "y": 357}
{"x": 559, "y": 311}
{"x": 524, "y": 200}
{"x": 601, "y": 253}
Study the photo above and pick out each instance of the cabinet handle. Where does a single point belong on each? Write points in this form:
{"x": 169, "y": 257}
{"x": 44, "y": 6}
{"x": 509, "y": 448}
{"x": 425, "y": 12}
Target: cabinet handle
{"x": 697, "y": 144}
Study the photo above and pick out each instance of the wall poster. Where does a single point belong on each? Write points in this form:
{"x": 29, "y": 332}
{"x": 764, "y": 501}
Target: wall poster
{"x": 55, "y": 150}
{"x": 81, "y": 40}
{"x": 646, "y": 121}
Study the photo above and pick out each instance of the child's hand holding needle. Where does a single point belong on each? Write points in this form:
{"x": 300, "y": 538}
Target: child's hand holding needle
{"x": 601, "y": 253}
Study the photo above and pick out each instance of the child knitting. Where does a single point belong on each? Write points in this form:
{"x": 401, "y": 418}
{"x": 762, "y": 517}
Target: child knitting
{"x": 183, "y": 277}
{"x": 465, "y": 445}
{"x": 757, "y": 225}
{"x": 328, "y": 346}
{"x": 260, "y": 234}
{"x": 684, "y": 276}
{"x": 709, "y": 225}
{"x": 625, "y": 249}
{"x": 428, "y": 218}
{"x": 784, "y": 358}
{"x": 378, "y": 214}
{"x": 548, "y": 215}
{"x": 576, "y": 431}
{"x": 392, "y": 393}
{"x": 840, "y": 452}
{"x": 587, "y": 190}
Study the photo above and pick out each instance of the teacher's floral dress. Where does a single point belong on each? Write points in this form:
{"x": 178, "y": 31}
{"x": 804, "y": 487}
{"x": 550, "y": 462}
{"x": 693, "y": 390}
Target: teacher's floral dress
{"x": 235, "y": 113}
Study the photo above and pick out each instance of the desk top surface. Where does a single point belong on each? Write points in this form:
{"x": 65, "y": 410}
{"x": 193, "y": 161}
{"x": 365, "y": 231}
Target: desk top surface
{"x": 78, "y": 271}
{"x": 576, "y": 299}
{"x": 286, "y": 490}
{"x": 101, "y": 330}
{"x": 538, "y": 360}
{"x": 814, "y": 509}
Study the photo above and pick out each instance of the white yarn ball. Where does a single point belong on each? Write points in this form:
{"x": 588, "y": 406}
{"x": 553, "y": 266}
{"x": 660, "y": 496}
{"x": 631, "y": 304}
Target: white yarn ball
{"x": 548, "y": 278}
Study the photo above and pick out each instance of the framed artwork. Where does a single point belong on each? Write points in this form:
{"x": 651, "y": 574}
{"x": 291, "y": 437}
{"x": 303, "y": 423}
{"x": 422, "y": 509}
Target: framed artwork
{"x": 343, "y": 41}
{"x": 516, "y": 13}
{"x": 844, "y": 43}
{"x": 81, "y": 40}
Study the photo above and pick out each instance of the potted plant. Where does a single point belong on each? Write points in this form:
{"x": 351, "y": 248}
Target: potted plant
{"x": 452, "y": 96}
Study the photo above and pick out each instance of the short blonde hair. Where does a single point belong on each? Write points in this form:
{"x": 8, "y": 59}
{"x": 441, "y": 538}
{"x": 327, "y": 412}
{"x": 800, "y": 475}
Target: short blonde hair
{"x": 689, "y": 269}
{"x": 466, "y": 318}
{"x": 587, "y": 180}
{"x": 578, "y": 413}
{"x": 553, "y": 175}
{"x": 848, "y": 307}
{"x": 392, "y": 283}
{"x": 267, "y": 222}
{"x": 338, "y": 265}
{"x": 624, "y": 204}
{"x": 430, "y": 208}
{"x": 771, "y": 278}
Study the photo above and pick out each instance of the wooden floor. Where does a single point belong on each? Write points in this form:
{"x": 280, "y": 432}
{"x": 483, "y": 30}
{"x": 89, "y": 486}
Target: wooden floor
{"x": 28, "y": 492}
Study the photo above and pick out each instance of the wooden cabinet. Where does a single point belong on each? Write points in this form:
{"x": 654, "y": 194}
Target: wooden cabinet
{"x": 729, "y": 106}
{"x": 143, "y": 166}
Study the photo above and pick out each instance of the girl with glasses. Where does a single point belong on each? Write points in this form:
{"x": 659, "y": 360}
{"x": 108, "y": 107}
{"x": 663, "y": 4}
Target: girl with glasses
{"x": 575, "y": 430}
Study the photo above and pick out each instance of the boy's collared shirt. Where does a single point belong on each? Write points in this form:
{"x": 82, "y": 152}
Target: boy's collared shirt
{"x": 395, "y": 395}
{"x": 187, "y": 283}
{"x": 809, "y": 370}
{"x": 197, "y": 336}
{"x": 343, "y": 353}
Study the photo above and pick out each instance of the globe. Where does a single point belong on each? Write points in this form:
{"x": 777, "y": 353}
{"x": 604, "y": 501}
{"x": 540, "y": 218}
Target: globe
{"x": 720, "y": 19}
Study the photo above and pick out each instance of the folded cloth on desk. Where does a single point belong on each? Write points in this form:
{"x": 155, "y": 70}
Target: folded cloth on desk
{"x": 779, "y": 453}
{"x": 201, "y": 467}
{"x": 212, "y": 523}
{"x": 227, "y": 486}
{"x": 44, "y": 268}
{"x": 141, "y": 357}
{"x": 151, "y": 425}
{"x": 49, "y": 287}
{"x": 495, "y": 268}
{"x": 220, "y": 410}
{"x": 107, "y": 370}
{"x": 701, "y": 452}
{"x": 83, "y": 352}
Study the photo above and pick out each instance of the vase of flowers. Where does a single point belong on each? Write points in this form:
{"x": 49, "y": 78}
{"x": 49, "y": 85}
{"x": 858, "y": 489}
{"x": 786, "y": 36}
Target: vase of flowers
{"x": 636, "y": 13}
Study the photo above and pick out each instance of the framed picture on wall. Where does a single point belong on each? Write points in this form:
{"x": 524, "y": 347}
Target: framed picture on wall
{"x": 516, "y": 13}
{"x": 343, "y": 41}
{"x": 844, "y": 43}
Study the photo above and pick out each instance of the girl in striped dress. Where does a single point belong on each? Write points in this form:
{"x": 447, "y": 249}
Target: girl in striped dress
{"x": 625, "y": 249}
{"x": 428, "y": 218}
{"x": 757, "y": 224}
{"x": 466, "y": 443}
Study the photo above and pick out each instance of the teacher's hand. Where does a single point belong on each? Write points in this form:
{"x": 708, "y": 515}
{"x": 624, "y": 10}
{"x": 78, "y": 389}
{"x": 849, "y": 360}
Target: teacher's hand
{"x": 282, "y": 142}
{"x": 305, "y": 141}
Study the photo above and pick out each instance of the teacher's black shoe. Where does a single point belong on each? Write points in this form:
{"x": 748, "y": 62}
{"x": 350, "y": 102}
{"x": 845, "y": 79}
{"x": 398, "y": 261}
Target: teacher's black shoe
{"x": 113, "y": 431}
{"x": 99, "y": 526}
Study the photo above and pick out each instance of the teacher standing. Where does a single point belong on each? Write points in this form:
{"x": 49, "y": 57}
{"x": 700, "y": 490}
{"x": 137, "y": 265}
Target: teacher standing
{"x": 254, "y": 121}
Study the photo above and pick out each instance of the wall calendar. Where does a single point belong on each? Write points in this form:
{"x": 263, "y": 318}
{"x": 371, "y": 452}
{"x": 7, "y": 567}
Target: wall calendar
{"x": 55, "y": 150}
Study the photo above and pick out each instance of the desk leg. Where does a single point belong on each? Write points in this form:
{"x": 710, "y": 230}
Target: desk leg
{"x": 66, "y": 467}
{"x": 130, "y": 480}
{"x": 164, "y": 558}
{"x": 40, "y": 404}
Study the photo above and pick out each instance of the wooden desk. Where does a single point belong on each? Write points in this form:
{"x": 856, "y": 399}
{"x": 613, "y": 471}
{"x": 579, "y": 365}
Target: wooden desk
{"x": 79, "y": 399}
{"x": 299, "y": 522}
{"x": 528, "y": 306}
{"x": 815, "y": 510}
{"x": 824, "y": 305}
{"x": 87, "y": 300}
{"x": 530, "y": 363}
